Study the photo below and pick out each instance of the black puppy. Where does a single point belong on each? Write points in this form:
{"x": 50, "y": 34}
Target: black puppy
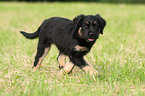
{"x": 73, "y": 38}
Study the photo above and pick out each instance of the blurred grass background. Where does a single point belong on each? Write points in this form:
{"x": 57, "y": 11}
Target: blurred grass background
{"x": 101, "y": 1}
{"x": 119, "y": 54}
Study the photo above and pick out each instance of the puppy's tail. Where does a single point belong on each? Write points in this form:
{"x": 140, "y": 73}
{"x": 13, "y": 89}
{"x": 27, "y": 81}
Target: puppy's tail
{"x": 31, "y": 35}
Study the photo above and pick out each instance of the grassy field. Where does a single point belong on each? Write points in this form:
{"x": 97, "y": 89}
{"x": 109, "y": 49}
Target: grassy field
{"x": 119, "y": 54}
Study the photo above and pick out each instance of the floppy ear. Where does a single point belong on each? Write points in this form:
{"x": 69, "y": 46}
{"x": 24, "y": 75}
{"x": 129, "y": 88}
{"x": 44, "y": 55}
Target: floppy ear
{"x": 77, "y": 22}
{"x": 101, "y": 22}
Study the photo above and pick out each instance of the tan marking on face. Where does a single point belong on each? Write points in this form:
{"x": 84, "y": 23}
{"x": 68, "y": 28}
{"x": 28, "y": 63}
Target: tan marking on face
{"x": 89, "y": 69}
{"x": 100, "y": 31}
{"x": 61, "y": 60}
{"x": 42, "y": 57}
{"x": 80, "y": 48}
{"x": 95, "y": 22}
{"x": 87, "y": 23}
{"x": 68, "y": 68}
{"x": 80, "y": 32}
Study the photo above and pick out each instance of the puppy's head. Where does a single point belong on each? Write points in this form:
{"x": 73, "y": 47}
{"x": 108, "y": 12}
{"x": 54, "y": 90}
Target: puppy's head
{"x": 89, "y": 27}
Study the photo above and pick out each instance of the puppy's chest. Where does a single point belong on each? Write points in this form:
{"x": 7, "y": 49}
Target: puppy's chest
{"x": 79, "y": 48}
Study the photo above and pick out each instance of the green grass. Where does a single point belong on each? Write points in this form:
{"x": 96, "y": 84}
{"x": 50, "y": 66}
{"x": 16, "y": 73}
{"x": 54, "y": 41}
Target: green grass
{"x": 119, "y": 54}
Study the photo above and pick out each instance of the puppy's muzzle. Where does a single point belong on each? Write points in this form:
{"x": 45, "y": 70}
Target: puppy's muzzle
{"x": 91, "y": 35}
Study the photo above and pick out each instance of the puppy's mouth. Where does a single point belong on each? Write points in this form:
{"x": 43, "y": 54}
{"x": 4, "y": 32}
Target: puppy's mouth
{"x": 90, "y": 39}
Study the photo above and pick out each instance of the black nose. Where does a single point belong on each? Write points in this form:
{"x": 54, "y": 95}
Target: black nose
{"x": 91, "y": 34}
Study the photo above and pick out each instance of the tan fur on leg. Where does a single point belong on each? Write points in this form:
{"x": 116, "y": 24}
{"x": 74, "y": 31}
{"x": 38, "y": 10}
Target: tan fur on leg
{"x": 61, "y": 60}
{"x": 41, "y": 59}
{"x": 68, "y": 68}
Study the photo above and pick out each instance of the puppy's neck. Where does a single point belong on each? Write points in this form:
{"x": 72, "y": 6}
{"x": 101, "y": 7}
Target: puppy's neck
{"x": 83, "y": 42}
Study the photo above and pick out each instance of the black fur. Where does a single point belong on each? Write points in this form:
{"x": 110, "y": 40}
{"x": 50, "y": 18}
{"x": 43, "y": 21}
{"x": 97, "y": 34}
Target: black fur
{"x": 66, "y": 34}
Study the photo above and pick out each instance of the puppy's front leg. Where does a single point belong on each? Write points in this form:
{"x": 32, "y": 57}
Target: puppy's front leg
{"x": 80, "y": 62}
{"x": 61, "y": 60}
{"x": 68, "y": 68}
{"x": 89, "y": 69}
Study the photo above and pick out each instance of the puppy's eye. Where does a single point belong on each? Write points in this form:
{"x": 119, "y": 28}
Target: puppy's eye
{"x": 87, "y": 23}
{"x": 94, "y": 23}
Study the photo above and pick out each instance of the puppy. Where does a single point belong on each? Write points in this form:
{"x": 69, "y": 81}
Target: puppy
{"x": 73, "y": 38}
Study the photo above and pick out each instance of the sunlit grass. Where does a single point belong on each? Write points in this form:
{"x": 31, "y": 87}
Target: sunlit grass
{"x": 119, "y": 54}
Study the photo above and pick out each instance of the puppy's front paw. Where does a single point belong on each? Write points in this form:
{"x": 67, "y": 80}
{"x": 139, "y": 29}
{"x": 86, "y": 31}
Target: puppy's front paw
{"x": 61, "y": 67}
{"x": 90, "y": 70}
{"x": 61, "y": 72}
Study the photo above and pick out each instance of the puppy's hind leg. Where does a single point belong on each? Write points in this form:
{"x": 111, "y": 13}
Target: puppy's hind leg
{"x": 61, "y": 60}
{"x": 42, "y": 51}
